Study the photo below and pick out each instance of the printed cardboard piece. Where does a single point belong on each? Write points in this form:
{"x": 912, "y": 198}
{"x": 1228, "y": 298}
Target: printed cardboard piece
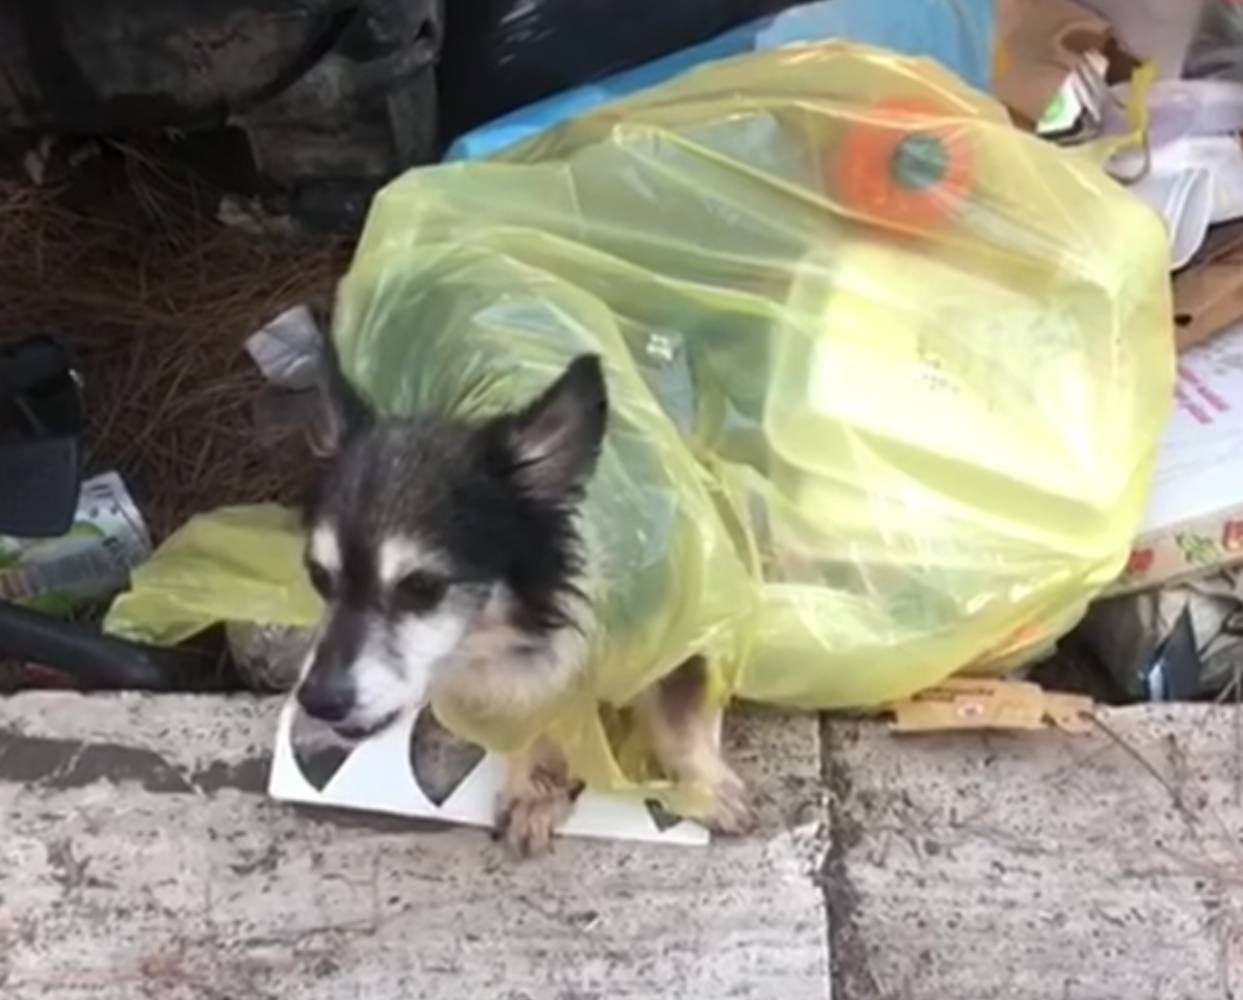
{"x": 377, "y": 776}
{"x": 970, "y": 703}
{"x": 1194, "y": 522}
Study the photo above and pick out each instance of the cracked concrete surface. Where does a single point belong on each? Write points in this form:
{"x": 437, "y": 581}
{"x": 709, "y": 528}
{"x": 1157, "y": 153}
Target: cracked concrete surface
{"x": 1040, "y": 866}
{"x": 139, "y": 858}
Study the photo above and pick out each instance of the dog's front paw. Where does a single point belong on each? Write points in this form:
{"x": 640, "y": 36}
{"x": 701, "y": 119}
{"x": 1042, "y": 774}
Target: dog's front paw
{"x": 536, "y": 798}
{"x": 731, "y": 812}
{"x": 528, "y": 820}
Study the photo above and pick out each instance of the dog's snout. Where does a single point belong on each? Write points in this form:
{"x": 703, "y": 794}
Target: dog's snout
{"x": 328, "y": 691}
{"x": 327, "y": 695}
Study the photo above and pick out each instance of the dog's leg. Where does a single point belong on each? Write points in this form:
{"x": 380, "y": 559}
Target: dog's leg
{"x": 682, "y": 728}
{"x": 536, "y": 797}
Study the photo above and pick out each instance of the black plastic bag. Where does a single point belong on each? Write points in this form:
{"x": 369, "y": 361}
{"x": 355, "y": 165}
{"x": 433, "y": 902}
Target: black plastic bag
{"x": 501, "y": 54}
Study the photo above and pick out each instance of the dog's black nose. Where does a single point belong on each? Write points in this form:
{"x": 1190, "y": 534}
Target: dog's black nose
{"x": 327, "y": 696}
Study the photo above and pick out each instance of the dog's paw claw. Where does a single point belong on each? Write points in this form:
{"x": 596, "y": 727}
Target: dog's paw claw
{"x": 732, "y": 812}
{"x": 526, "y": 825}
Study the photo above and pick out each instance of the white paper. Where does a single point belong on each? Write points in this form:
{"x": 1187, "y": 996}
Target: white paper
{"x": 287, "y": 349}
{"x": 1200, "y": 467}
{"x": 377, "y": 777}
{"x": 1192, "y": 183}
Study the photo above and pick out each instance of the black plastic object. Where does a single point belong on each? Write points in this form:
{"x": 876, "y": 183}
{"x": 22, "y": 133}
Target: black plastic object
{"x": 334, "y": 97}
{"x": 41, "y": 419}
{"x": 100, "y": 662}
{"x": 501, "y": 54}
{"x": 35, "y": 361}
{"x": 1176, "y": 668}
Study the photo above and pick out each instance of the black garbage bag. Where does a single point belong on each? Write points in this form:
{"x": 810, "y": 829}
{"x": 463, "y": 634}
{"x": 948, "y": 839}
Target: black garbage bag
{"x": 501, "y": 54}
{"x": 327, "y": 93}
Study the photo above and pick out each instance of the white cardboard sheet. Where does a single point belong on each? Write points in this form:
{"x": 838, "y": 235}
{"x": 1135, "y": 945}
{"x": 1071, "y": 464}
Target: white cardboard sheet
{"x": 1200, "y": 468}
{"x": 377, "y": 777}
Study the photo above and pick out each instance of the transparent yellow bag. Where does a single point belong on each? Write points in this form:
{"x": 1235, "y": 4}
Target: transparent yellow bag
{"x": 886, "y": 375}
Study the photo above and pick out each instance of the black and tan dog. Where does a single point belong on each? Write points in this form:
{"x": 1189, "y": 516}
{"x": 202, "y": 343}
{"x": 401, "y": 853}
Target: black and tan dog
{"x": 452, "y": 565}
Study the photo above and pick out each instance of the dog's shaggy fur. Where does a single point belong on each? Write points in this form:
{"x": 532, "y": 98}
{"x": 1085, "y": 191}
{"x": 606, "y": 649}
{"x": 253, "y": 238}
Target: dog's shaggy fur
{"x": 451, "y": 561}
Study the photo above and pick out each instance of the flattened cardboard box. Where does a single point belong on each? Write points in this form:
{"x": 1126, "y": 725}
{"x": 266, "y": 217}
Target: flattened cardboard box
{"x": 979, "y": 703}
{"x": 1195, "y": 518}
{"x": 377, "y": 776}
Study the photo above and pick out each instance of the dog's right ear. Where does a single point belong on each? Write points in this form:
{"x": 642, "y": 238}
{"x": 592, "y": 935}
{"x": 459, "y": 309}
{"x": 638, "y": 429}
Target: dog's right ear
{"x": 557, "y": 438}
{"x": 340, "y": 412}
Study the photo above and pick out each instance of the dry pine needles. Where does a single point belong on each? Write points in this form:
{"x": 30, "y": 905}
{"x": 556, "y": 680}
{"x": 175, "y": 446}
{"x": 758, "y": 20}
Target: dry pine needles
{"x": 125, "y": 259}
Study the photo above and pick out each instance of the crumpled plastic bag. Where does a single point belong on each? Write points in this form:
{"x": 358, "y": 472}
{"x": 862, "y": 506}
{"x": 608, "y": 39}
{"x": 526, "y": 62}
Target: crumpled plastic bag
{"x": 237, "y": 564}
{"x": 886, "y": 375}
{"x": 1214, "y": 49}
{"x": 1129, "y": 634}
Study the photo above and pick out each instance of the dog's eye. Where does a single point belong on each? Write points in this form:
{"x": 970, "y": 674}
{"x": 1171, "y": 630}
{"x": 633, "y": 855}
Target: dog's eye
{"x": 421, "y": 592}
{"x": 321, "y": 580}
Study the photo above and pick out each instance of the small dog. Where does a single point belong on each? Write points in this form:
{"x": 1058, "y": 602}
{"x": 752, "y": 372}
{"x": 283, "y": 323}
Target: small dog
{"x": 451, "y": 563}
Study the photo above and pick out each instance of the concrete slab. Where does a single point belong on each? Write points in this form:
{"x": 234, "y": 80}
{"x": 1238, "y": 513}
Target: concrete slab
{"x": 139, "y": 859}
{"x": 1040, "y": 866}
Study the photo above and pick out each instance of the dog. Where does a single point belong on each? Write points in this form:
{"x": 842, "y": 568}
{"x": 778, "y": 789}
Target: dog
{"x": 452, "y": 565}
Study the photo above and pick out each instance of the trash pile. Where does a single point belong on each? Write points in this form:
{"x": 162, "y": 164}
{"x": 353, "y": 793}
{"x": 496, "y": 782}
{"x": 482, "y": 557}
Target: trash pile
{"x": 755, "y": 232}
{"x": 1171, "y": 628}
{"x": 126, "y": 404}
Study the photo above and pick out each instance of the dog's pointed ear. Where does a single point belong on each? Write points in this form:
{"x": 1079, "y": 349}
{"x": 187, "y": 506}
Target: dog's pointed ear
{"x": 557, "y": 439}
{"x": 340, "y": 412}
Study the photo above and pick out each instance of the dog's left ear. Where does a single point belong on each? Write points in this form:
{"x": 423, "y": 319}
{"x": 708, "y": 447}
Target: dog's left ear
{"x": 557, "y": 439}
{"x": 340, "y": 412}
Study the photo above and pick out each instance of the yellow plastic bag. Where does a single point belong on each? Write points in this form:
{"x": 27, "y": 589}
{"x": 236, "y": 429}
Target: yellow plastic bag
{"x": 237, "y": 564}
{"x": 886, "y": 375}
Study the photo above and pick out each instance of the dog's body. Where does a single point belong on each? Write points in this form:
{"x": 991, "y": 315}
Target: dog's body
{"x": 453, "y": 567}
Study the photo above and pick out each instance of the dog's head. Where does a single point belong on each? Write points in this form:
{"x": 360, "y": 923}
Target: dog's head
{"x": 426, "y": 529}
